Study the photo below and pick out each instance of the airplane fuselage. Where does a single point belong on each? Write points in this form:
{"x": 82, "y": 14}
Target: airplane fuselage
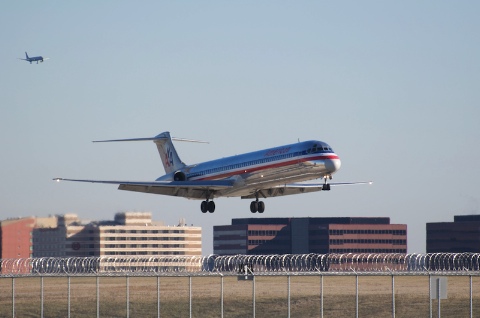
{"x": 297, "y": 162}
{"x": 35, "y": 59}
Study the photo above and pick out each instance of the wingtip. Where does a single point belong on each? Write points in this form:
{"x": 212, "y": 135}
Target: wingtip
{"x": 57, "y": 179}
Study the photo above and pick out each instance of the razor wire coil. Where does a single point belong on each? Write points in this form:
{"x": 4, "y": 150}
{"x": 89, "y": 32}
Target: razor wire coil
{"x": 231, "y": 264}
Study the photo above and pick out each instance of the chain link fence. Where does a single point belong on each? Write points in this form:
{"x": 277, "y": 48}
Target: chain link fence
{"x": 309, "y": 285}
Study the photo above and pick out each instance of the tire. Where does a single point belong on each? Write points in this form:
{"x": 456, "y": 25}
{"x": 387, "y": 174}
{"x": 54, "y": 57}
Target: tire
{"x": 211, "y": 206}
{"x": 254, "y": 207}
{"x": 204, "y": 206}
{"x": 261, "y": 207}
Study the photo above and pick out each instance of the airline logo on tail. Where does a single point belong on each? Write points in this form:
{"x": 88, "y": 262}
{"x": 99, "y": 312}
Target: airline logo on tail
{"x": 169, "y": 157}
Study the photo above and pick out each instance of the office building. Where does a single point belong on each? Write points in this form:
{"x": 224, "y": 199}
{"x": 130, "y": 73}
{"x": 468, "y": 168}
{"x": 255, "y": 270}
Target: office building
{"x": 129, "y": 234}
{"x": 310, "y": 235}
{"x": 16, "y": 237}
{"x": 461, "y": 235}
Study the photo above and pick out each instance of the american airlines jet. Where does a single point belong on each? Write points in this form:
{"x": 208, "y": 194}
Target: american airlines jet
{"x": 265, "y": 173}
{"x": 34, "y": 58}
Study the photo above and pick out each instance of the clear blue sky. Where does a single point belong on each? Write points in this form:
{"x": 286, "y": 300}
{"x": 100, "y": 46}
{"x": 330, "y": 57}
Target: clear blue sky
{"x": 392, "y": 87}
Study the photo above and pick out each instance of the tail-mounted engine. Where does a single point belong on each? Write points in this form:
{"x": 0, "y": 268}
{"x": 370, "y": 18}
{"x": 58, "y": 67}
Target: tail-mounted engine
{"x": 179, "y": 176}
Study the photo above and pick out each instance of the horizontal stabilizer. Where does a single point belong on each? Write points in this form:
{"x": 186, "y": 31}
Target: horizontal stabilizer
{"x": 159, "y": 137}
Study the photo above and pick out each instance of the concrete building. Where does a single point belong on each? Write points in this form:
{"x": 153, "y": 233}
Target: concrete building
{"x": 129, "y": 234}
{"x": 461, "y": 235}
{"x": 16, "y": 237}
{"x": 309, "y": 235}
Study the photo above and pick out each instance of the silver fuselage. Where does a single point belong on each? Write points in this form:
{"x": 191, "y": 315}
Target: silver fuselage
{"x": 266, "y": 168}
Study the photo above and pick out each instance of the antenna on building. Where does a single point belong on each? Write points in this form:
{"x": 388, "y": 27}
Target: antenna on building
{"x": 181, "y": 222}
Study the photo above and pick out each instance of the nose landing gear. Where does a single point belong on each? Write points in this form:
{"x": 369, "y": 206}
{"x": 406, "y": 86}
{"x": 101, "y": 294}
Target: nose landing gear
{"x": 326, "y": 186}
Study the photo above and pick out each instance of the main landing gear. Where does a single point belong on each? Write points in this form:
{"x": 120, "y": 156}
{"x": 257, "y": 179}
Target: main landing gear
{"x": 257, "y": 206}
{"x": 207, "y": 206}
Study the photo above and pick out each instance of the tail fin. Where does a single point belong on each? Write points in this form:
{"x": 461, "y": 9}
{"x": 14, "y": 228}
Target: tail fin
{"x": 26, "y": 55}
{"x": 170, "y": 159}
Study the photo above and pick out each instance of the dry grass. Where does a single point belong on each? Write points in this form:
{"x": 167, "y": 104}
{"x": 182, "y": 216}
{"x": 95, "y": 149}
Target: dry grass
{"x": 271, "y": 297}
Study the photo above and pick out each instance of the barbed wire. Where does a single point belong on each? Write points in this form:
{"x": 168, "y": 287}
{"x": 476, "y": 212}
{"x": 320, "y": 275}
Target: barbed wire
{"x": 234, "y": 264}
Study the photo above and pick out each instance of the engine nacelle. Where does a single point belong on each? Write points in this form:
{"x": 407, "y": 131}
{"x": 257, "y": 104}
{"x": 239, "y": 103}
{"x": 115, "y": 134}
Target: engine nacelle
{"x": 179, "y": 176}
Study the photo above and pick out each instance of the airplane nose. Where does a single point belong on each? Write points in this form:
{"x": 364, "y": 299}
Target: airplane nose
{"x": 332, "y": 165}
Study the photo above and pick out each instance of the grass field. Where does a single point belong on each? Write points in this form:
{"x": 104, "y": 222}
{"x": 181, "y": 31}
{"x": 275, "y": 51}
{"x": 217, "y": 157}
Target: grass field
{"x": 271, "y": 297}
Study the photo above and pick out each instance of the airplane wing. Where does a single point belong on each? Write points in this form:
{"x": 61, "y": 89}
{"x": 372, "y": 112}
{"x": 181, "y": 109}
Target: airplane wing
{"x": 298, "y": 188}
{"x": 186, "y": 189}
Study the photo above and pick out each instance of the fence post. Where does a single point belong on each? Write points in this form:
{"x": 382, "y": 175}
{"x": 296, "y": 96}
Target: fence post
{"x": 158, "y": 296}
{"x": 68, "y": 293}
{"x": 471, "y": 297}
{"x": 98, "y": 296}
{"x": 356, "y": 295}
{"x": 190, "y": 293}
{"x": 41, "y": 296}
{"x": 13, "y": 296}
{"x": 438, "y": 296}
{"x": 393, "y": 296}
{"x": 221, "y": 295}
{"x": 430, "y": 292}
{"x": 321, "y": 296}
{"x": 288, "y": 293}
{"x": 128, "y": 296}
{"x": 253, "y": 296}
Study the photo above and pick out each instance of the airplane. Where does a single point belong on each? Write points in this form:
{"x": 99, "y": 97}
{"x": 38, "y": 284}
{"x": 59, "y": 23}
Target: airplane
{"x": 34, "y": 58}
{"x": 271, "y": 172}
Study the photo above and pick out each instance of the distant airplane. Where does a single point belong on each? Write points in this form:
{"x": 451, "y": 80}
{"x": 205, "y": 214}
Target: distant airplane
{"x": 265, "y": 173}
{"x": 34, "y": 58}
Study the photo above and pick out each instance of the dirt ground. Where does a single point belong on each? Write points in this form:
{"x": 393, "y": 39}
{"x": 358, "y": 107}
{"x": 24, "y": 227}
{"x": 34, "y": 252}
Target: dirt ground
{"x": 411, "y": 298}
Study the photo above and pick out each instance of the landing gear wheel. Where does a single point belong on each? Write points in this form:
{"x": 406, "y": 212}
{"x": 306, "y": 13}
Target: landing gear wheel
{"x": 261, "y": 206}
{"x": 204, "y": 206}
{"x": 254, "y": 206}
{"x": 326, "y": 187}
{"x": 211, "y": 206}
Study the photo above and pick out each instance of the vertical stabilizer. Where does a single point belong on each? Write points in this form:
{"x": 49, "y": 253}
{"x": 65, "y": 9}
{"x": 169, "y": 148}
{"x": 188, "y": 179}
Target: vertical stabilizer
{"x": 26, "y": 55}
{"x": 168, "y": 154}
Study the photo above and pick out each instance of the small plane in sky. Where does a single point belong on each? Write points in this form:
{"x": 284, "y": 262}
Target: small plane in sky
{"x": 265, "y": 173}
{"x": 34, "y": 58}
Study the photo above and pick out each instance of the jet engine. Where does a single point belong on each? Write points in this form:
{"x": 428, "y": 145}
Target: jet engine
{"x": 179, "y": 176}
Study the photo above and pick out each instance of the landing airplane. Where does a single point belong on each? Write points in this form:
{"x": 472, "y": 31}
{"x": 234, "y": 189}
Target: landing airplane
{"x": 265, "y": 173}
{"x": 34, "y": 58}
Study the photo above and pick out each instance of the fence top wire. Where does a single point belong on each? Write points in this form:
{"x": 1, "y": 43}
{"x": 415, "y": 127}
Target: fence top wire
{"x": 288, "y": 264}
